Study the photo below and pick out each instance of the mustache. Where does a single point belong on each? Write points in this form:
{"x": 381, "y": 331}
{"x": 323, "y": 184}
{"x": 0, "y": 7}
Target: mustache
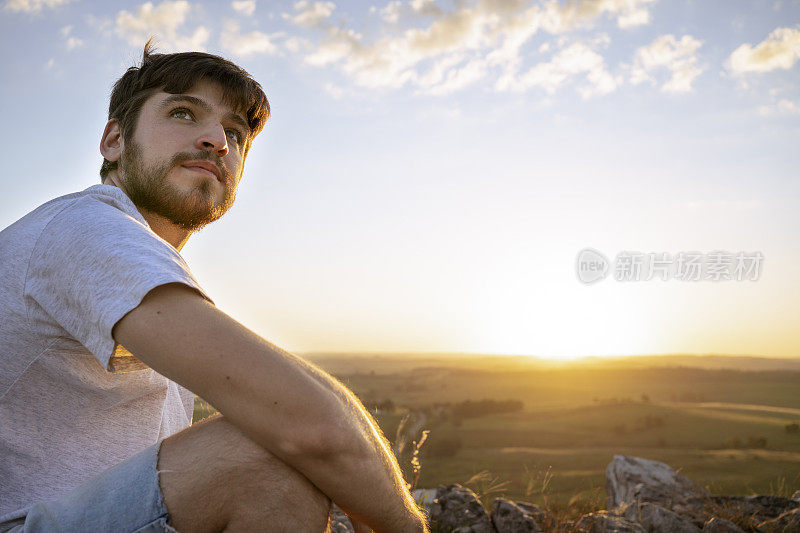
{"x": 183, "y": 157}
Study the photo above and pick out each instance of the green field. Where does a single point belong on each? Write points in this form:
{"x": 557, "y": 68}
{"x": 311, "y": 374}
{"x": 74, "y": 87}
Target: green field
{"x": 725, "y": 429}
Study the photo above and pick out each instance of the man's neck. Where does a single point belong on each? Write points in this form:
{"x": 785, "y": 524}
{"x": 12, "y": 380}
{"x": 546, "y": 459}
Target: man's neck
{"x": 170, "y": 232}
{"x": 165, "y": 229}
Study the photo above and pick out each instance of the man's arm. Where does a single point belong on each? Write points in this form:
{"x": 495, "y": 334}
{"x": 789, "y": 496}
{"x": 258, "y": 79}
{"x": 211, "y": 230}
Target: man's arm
{"x": 290, "y": 407}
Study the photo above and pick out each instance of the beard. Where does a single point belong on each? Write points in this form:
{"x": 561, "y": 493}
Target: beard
{"x": 149, "y": 189}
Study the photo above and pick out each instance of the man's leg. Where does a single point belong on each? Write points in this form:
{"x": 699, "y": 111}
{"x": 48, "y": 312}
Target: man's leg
{"x": 214, "y": 478}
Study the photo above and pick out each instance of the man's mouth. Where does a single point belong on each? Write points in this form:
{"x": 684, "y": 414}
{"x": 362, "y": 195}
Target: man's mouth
{"x": 205, "y": 167}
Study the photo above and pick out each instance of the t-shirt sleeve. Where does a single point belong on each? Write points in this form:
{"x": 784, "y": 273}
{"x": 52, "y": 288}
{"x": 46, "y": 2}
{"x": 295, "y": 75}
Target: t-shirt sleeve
{"x": 92, "y": 264}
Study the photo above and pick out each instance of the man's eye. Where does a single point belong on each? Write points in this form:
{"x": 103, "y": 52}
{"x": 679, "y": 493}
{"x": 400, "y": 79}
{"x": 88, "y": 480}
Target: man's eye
{"x": 236, "y": 136}
{"x": 182, "y": 113}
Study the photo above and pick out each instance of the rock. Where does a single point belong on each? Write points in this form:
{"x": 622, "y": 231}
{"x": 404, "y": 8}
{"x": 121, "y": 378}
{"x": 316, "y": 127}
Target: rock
{"x": 339, "y": 521}
{"x": 542, "y": 519}
{"x": 720, "y": 525}
{"x": 655, "y": 518}
{"x": 565, "y": 527}
{"x": 636, "y": 480}
{"x": 788, "y": 521}
{"x": 458, "y": 509}
{"x": 605, "y": 522}
{"x": 509, "y": 517}
{"x": 755, "y": 509}
{"x": 424, "y": 499}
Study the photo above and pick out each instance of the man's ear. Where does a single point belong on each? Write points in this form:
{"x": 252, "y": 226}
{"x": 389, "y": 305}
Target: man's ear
{"x": 112, "y": 143}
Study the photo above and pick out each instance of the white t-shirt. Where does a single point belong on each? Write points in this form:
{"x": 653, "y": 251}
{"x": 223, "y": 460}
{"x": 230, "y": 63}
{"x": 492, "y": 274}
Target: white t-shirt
{"x": 72, "y": 402}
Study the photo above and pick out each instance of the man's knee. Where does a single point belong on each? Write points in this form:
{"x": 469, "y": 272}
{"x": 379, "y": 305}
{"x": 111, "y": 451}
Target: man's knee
{"x": 212, "y": 468}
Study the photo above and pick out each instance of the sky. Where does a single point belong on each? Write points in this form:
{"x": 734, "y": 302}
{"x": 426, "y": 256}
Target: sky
{"x": 432, "y": 170}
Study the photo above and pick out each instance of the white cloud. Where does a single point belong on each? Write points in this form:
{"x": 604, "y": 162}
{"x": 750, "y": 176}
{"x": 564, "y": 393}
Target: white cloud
{"x": 778, "y": 51}
{"x": 679, "y": 57}
{"x": 576, "y": 59}
{"x": 246, "y": 44}
{"x": 782, "y": 107}
{"x": 312, "y": 14}
{"x": 297, "y": 44}
{"x": 72, "y": 42}
{"x": 31, "y": 6}
{"x": 245, "y": 7}
{"x": 335, "y": 91}
{"x": 397, "y": 9}
{"x": 164, "y": 22}
{"x": 487, "y": 36}
{"x": 461, "y": 77}
{"x": 391, "y": 13}
{"x": 583, "y": 13}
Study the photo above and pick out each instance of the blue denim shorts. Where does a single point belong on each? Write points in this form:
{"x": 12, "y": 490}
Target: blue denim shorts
{"x": 124, "y": 499}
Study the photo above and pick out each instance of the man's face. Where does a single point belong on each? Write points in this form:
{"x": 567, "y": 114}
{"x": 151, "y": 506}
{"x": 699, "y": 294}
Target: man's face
{"x": 186, "y": 157}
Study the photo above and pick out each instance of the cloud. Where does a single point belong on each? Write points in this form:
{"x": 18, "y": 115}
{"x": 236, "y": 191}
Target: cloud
{"x": 311, "y": 14}
{"x": 782, "y": 107}
{"x": 666, "y": 52}
{"x": 576, "y": 59}
{"x": 778, "y": 51}
{"x": 31, "y": 6}
{"x": 458, "y": 78}
{"x": 245, "y": 7}
{"x": 164, "y": 22}
{"x": 334, "y": 90}
{"x": 441, "y": 50}
{"x": 398, "y": 9}
{"x": 72, "y": 42}
{"x": 583, "y": 13}
{"x": 246, "y": 44}
{"x": 297, "y": 44}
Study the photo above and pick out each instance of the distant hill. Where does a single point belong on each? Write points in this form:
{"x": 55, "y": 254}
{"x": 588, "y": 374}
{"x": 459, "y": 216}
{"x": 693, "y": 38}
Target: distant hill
{"x": 714, "y": 361}
{"x": 382, "y": 362}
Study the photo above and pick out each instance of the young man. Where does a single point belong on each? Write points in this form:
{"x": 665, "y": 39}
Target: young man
{"x": 105, "y": 334}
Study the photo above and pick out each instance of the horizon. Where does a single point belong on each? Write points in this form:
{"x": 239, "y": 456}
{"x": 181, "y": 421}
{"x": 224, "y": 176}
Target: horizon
{"x": 433, "y": 171}
{"x": 367, "y": 353}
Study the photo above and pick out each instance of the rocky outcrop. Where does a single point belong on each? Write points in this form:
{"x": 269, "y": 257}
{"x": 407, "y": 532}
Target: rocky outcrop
{"x": 644, "y": 496}
{"x": 788, "y": 521}
{"x": 720, "y": 525}
{"x": 633, "y": 481}
{"x": 656, "y": 518}
{"x": 458, "y": 509}
{"x": 753, "y": 509}
{"x": 424, "y": 498}
{"x": 339, "y": 521}
{"x": 605, "y": 522}
{"x": 509, "y": 517}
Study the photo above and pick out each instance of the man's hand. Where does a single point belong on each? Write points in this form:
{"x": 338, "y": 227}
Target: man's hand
{"x": 290, "y": 407}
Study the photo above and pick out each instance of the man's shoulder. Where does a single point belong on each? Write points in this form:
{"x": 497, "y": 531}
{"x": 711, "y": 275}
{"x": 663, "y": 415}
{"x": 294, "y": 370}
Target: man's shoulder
{"x": 95, "y": 199}
{"x": 92, "y": 201}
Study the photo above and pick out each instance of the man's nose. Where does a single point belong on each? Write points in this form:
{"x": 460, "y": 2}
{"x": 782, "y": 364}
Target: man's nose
{"x": 214, "y": 140}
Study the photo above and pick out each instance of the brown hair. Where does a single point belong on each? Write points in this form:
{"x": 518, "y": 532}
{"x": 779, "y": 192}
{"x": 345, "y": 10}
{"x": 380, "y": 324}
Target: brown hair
{"x": 178, "y": 73}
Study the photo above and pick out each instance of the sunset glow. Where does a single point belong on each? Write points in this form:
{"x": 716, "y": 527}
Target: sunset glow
{"x": 428, "y": 177}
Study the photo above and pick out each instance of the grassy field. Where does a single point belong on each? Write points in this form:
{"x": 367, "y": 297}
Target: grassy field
{"x": 724, "y": 428}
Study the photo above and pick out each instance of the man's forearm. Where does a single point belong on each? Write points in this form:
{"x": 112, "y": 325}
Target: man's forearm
{"x": 290, "y": 407}
{"x": 359, "y": 472}
{"x": 376, "y": 461}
